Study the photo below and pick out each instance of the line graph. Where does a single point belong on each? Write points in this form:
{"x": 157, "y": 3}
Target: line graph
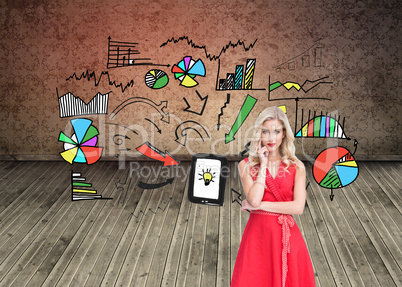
{"x": 314, "y": 52}
{"x": 203, "y": 47}
{"x": 89, "y": 76}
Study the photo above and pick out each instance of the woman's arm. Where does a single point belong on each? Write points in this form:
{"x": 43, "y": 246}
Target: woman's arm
{"x": 296, "y": 206}
{"x": 254, "y": 190}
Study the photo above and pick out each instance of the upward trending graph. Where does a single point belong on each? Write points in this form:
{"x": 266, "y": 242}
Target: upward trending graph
{"x": 241, "y": 79}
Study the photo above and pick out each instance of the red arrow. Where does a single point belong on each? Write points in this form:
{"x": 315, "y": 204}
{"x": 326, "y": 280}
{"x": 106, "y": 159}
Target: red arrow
{"x": 152, "y": 152}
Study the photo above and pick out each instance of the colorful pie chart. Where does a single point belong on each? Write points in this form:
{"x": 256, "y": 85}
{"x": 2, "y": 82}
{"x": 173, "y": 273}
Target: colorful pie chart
{"x": 335, "y": 168}
{"x": 187, "y": 69}
{"x": 81, "y": 146}
{"x": 156, "y": 79}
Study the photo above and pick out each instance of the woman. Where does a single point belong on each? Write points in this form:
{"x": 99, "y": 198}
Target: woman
{"x": 272, "y": 251}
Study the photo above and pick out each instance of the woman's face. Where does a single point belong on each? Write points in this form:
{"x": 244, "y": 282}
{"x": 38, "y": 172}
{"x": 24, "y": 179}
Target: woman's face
{"x": 272, "y": 134}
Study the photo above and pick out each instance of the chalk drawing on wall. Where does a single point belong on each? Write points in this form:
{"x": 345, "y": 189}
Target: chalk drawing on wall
{"x": 190, "y": 125}
{"x": 207, "y": 55}
{"x": 81, "y": 146}
{"x": 283, "y": 108}
{"x": 246, "y": 149}
{"x": 245, "y": 110}
{"x": 186, "y": 70}
{"x": 71, "y": 106}
{"x": 145, "y": 185}
{"x": 322, "y": 126}
{"x": 156, "y": 79}
{"x": 307, "y": 85}
{"x": 119, "y": 139}
{"x": 241, "y": 79}
{"x": 150, "y": 151}
{"x": 335, "y": 168}
{"x": 157, "y": 128}
{"x": 81, "y": 190}
{"x": 221, "y": 113}
{"x": 125, "y": 54}
{"x": 122, "y": 127}
{"x": 202, "y": 99}
{"x": 87, "y": 75}
{"x": 311, "y": 57}
{"x": 165, "y": 117}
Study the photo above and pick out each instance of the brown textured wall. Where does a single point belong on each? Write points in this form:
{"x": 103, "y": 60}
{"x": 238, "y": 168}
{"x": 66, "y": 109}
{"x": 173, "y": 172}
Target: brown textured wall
{"x": 359, "y": 51}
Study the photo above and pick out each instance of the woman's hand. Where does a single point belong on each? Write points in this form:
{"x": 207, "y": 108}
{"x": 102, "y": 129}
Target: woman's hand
{"x": 245, "y": 205}
{"x": 262, "y": 154}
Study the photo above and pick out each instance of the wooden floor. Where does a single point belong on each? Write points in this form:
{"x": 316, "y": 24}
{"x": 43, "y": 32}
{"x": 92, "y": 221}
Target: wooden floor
{"x": 145, "y": 237}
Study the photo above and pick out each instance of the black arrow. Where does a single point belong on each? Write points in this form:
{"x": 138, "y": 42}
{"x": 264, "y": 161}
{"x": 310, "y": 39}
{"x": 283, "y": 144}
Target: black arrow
{"x": 205, "y": 99}
{"x": 159, "y": 130}
{"x": 155, "y": 185}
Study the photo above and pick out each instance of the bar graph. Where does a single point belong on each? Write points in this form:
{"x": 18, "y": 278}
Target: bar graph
{"x": 241, "y": 79}
{"x": 82, "y": 190}
{"x": 124, "y": 54}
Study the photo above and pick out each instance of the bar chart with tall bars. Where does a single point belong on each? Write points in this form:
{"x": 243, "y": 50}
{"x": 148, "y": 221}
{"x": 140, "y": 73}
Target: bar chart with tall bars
{"x": 241, "y": 79}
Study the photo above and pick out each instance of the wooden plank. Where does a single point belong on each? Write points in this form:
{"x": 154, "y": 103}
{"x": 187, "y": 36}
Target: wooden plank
{"x": 158, "y": 211}
{"x": 349, "y": 225}
{"x": 186, "y": 249}
{"x": 382, "y": 182}
{"x": 173, "y": 260}
{"x": 116, "y": 224}
{"x": 50, "y": 273}
{"x": 391, "y": 254}
{"x": 366, "y": 236}
{"x": 196, "y": 256}
{"x": 20, "y": 258}
{"x": 235, "y": 220}
{"x": 16, "y": 214}
{"x": 134, "y": 259}
{"x": 392, "y": 173}
{"x": 160, "y": 261}
{"x": 63, "y": 233}
{"x": 209, "y": 270}
{"x": 5, "y": 168}
{"x": 37, "y": 222}
{"x": 224, "y": 270}
{"x": 12, "y": 178}
{"x": 319, "y": 215}
{"x": 126, "y": 256}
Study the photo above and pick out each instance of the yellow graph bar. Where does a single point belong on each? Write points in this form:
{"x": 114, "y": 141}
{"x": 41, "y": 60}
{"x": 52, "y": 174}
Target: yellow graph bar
{"x": 249, "y": 75}
{"x": 84, "y": 190}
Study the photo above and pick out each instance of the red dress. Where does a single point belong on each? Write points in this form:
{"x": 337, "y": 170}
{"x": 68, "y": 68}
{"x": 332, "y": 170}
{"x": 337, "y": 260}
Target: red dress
{"x": 272, "y": 251}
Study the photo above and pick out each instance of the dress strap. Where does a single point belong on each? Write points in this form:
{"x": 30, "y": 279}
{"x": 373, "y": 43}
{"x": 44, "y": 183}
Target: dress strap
{"x": 287, "y": 221}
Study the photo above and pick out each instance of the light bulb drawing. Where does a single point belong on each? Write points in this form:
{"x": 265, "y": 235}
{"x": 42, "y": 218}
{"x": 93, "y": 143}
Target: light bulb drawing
{"x": 207, "y": 176}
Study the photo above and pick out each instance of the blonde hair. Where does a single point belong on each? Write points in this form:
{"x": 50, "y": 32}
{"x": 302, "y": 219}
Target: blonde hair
{"x": 286, "y": 150}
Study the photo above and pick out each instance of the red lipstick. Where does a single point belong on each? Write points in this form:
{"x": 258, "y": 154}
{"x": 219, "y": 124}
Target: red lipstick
{"x": 271, "y": 144}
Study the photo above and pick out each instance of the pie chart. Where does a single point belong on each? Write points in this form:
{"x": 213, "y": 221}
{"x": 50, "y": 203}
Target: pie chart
{"x": 186, "y": 70}
{"x": 156, "y": 79}
{"x": 335, "y": 168}
{"x": 81, "y": 146}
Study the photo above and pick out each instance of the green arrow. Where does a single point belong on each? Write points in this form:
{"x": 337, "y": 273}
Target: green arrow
{"x": 245, "y": 110}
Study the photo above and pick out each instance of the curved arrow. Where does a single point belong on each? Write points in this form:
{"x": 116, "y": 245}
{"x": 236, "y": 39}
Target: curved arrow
{"x": 159, "y": 108}
{"x": 184, "y": 133}
{"x": 152, "y": 152}
{"x": 159, "y": 130}
{"x": 145, "y": 185}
